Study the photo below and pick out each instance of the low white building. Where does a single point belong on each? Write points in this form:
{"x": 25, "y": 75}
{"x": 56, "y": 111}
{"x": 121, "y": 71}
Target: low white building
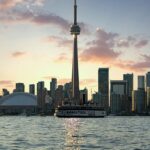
{"x": 17, "y": 103}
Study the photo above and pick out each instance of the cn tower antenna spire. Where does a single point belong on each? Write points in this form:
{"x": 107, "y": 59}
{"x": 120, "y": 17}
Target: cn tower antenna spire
{"x": 75, "y": 2}
{"x": 75, "y": 12}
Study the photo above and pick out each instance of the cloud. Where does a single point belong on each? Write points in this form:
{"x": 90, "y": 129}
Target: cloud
{"x": 126, "y": 42}
{"x": 39, "y": 17}
{"x": 85, "y": 29}
{"x": 62, "y": 58}
{"x": 8, "y": 4}
{"x": 7, "y": 83}
{"x": 5, "y": 4}
{"x": 88, "y": 82}
{"x": 83, "y": 82}
{"x": 101, "y": 49}
{"x": 18, "y": 54}
{"x": 146, "y": 57}
{"x": 63, "y": 81}
{"x": 52, "y": 19}
{"x": 123, "y": 43}
{"x": 141, "y": 43}
{"x": 48, "y": 77}
{"x": 59, "y": 41}
{"x": 131, "y": 41}
{"x": 140, "y": 66}
{"x": 17, "y": 16}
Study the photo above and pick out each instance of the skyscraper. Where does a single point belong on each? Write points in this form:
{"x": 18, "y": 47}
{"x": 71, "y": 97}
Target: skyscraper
{"x": 68, "y": 91}
{"x": 129, "y": 79}
{"x": 103, "y": 85}
{"x": 148, "y": 79}
{"x": 40, "y": 95}
{"x": 141, "y": 82}
{"x": 20, "y": 87}
{"x": 118, "y": 97}
{"x": 32, "y": 89}
{"x": 53, "y": 87}
{"x": 84, "y": 96}
{"x": 148, "y": 98}
{"x": 59, "y": 96}
{"x": 139, "y": 96}
{"x": 139, "y": 101}
{"x": 5, "y": 92}
{"x": 75, "y": 31}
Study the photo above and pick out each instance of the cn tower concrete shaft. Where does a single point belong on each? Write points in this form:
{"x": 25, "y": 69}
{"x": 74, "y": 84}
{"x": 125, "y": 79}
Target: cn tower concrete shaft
{"x": 75, "y": 31}
{"x": 75, "y": 72}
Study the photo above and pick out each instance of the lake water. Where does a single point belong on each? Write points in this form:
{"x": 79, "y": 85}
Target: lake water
{"x": 51, "y": 133}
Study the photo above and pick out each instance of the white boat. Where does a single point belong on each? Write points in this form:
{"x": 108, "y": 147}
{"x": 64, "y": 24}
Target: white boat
{"x": 80, "y": 111}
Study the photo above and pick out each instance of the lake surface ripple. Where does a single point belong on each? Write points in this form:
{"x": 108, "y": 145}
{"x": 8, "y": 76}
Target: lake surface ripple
{"x": 51, "y": 133}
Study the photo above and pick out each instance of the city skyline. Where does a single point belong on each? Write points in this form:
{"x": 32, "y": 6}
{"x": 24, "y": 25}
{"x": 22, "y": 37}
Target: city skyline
{"x": 31, "y": 39}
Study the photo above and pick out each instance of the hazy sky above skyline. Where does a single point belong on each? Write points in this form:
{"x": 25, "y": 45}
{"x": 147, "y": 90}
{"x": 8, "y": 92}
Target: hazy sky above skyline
{"x": 35, "y": 43}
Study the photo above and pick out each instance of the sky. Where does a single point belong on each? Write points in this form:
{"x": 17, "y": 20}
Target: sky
{"x": 36, "y": 45}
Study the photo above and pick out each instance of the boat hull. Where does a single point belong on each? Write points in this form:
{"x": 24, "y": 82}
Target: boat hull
{"x": 80, "y": 113}
{"x": 80, "y": 116}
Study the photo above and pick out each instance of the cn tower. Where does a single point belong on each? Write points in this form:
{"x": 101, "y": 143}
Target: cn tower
{"x": 75, "y": 31}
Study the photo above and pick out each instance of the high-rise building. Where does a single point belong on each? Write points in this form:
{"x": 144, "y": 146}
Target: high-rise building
{"x": 138, "y": 101}
{"x": 119, "y": 87}
{"x": 53, "y": 87}
{"x": 129, "y": 79}
{"x": 68, "y": 91}
{"x": 5, "y": 92}
{"x": 20, "y": 87}
{"x": 139, "y": 96}
{"x": 118, "y": 96}
{"x": 98, "y": 99}
{"x": 148, "y": 79}
{"x": 40, "y": 95}
{"x": 148, "y": 98}
{"x": 103, "y": 86}
{"x": 84, "y": 96}
{"x": 32, "y": 89}
{"x": 141, "y": 82}
{"x": 75, "y": 31}
{"x": 59, "y": 96}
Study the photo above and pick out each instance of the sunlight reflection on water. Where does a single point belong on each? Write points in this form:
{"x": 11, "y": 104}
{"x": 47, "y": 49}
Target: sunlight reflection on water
{"x": 51, "y": 133}
{"x": 73, "y": 141}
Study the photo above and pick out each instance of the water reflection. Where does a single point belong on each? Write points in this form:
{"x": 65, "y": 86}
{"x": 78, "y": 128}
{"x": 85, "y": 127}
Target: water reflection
{"x": 73, "y": 140}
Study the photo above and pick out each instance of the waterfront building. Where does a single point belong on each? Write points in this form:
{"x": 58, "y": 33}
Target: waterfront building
{"x": 18, "y": 103}
{"x": 68, "y": 91}
{"x": 59, "y": 96}
{"x": 53, "y": 87}
{"x": 129, "y": 79}
{"x": 148, "y": 97}
{"x": 141, "y": 82}
{"x": 75, "y": 31}
{"x": 118, "y": 96}
{"x": 148, "y": 79}
{"x": 84, "y": 96}
{"x": 116, "y": 103}
{"x": 97, "y": 99}
{"x": 20, "y": 87}
{"x": 103, "y": 86}
{"x": 5, "y": 92}
{"x": 40, "y": 95}
{"x": 138, "y": 101}
{"x": 32, "y": 89}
